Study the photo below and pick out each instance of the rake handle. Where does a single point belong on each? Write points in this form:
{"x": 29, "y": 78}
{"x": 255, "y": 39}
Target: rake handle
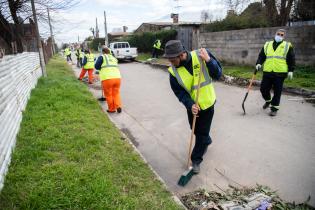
{"x": 251, "y": 81}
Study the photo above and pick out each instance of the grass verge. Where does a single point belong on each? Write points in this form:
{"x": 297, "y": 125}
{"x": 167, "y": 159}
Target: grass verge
{"x": 143, "y": 56}
{"x": 70, "y": 156}
{"x": 303, "y": 77}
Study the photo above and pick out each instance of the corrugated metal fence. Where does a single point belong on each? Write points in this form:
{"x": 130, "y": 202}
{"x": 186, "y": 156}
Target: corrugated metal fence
{"x": 18, "y": 76}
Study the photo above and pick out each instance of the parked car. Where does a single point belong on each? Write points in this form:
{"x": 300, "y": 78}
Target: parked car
{"x": 123, "y": 51}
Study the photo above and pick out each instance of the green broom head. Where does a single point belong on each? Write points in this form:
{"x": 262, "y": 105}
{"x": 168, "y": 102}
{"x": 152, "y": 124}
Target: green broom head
{"x": 186, "y": 176}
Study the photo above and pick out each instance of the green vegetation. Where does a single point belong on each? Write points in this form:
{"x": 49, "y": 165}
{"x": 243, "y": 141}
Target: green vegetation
{"x": 144, "y": 41}
{"x": 95, "y": 43}
{"x": 70, "y": 156}
{"x": 303, "y": 77}
{"x": 254, "y": 16}
{"x": 143, "y": 56}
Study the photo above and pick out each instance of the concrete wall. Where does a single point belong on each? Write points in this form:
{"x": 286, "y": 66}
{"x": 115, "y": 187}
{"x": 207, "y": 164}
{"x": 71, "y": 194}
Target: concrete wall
{"x": 243, "y": 46}
{"x": 18, "y": 76}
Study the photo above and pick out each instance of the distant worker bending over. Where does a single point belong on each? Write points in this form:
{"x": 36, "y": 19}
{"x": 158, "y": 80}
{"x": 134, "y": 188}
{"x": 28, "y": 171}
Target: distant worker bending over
{"x": 88, "y": 65}
{"x": 111, "y": 79}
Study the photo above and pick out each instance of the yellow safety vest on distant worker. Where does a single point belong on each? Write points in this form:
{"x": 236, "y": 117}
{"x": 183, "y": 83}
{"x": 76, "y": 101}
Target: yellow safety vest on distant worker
{"x": 189, "y": 82}
{"x": 109, "y": 68}
{"x": 157, "y": 45}
{"x": 89, "y": 61}
{"x": 67, "y": 51}
{"x": 276, "y": 60}
{"x": 81, "y": 55}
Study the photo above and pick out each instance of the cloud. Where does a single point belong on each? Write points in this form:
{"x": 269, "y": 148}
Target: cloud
{"x": 77, "y": 21}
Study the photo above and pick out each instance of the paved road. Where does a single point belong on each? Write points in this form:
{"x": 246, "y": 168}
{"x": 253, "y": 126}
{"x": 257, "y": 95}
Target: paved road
{"x": 278, "y": 152}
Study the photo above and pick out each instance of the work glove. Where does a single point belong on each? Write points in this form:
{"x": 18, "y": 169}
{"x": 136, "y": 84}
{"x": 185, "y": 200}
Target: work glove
{"x": 258, "y": 67}
{"x": 290, "y": 75}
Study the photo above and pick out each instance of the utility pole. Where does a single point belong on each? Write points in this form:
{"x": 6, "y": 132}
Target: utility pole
{"x": 39, "y": 44}
{"x": 51, "y": 33}
{"x": 105, "y": 24}
{"x": 78, "y": 39}
{"x": 96, "y": 30}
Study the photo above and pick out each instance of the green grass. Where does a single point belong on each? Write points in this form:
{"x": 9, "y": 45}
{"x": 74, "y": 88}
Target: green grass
{"x": 303, "y": 77}
{"x": 143, "y": 56}
{"x": 70, "y": 156}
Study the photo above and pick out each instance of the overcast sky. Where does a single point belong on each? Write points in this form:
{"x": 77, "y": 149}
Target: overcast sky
{"x": 76, "y": 22}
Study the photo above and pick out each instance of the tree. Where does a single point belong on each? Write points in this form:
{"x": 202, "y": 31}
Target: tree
{"x": 236, "y": 5}
{"x": 278, "y": 11}
{"x": 18, "y": 11}
{"x": 204, "y": 16}
{"x": 304, "y": 10}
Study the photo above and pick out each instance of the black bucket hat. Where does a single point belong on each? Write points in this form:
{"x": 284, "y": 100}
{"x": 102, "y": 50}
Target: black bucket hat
{"x": 173, "y": 48}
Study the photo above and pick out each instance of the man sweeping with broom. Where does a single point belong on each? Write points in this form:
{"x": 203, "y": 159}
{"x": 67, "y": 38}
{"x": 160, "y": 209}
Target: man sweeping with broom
{"x": 191, "y": 76}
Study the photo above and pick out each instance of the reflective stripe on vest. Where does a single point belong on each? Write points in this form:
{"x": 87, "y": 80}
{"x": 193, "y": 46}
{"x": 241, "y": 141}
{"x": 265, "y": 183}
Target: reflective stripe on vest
{"x": 89, "y": 61}
{"x": 276, "y": 60}
{"x": 190, "y": 82}
{"x": 109, "y": 68}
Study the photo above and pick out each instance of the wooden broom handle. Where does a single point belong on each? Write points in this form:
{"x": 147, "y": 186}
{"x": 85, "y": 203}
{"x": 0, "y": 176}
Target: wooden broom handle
{"x": 195, "y": 116}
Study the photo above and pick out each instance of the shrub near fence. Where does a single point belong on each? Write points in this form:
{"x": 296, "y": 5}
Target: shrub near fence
{"x": 144, "y": 41}
{"x": 18, "y": 76}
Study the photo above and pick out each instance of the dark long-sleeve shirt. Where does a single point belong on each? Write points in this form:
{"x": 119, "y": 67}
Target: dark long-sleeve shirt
{"x": 290, "y": 57}
{"x": 214, "y": 69}
{"x": 99, "y": 63}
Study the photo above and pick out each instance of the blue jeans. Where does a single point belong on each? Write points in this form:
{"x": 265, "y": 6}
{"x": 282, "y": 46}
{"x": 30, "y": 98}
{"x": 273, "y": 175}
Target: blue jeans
{"x": 202, "y": 133}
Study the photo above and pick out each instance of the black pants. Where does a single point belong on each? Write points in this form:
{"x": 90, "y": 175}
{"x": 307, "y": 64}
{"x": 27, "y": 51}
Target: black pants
{"x": 154, "y": 53}
{"x": 269, "y": 81}
{"x": 202, "y": 131}
{"x": 78, "y": 63}
{"x": 69, "y": 58}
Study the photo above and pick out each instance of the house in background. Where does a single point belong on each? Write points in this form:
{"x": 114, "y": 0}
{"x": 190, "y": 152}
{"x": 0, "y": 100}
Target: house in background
{"x": 187, "y": 32}
{"x": 28, "y": 34}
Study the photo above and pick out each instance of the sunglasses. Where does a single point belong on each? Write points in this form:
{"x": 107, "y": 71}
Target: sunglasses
{"x": 280, "y": 34}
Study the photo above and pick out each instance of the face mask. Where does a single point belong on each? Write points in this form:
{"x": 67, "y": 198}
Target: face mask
{"x": 278, "y": 38}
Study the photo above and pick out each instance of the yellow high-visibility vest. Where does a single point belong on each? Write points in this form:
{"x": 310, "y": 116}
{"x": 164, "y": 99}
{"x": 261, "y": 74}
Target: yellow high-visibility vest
{"x": 157, "y": 45}
{"x": 67, "y": 51}
{"x": 90, "y": 61}
{"x": 109, "y": 68}
{"x": 276, "y": 60}
{"x": 189, "y": 82}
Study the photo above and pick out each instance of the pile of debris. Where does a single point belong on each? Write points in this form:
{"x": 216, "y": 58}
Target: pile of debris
{"x": 258, "y": 198}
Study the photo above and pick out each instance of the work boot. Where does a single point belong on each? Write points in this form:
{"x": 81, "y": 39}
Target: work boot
{"x": 119, "y": 110}
{"x": 273, "y": 113}
{"x": 102, "y": 99}
{"x": 196, "y": 168}
{"x": 266, "y": 105}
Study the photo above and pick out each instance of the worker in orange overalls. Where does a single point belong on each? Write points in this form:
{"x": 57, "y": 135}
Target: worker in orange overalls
{"x": 88, "y": 65}
{"x": 110, "y": 78}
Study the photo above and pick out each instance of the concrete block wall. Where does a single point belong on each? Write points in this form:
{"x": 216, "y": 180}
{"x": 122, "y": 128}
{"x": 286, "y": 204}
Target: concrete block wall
{"x": 243, "y": 46}
{"x": 18, "y": 76}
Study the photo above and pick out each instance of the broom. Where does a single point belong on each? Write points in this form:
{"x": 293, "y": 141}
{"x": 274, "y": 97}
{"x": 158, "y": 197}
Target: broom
{"x": 186, "y": 176}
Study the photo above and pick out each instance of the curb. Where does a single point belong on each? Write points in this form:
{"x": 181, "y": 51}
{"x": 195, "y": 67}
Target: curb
{"x": 230, "y": 80}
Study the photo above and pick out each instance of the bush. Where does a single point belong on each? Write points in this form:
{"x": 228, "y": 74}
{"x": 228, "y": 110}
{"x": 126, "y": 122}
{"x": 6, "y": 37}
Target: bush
{"x": 93, "y": 45}
{"x": 144, "y": 42}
